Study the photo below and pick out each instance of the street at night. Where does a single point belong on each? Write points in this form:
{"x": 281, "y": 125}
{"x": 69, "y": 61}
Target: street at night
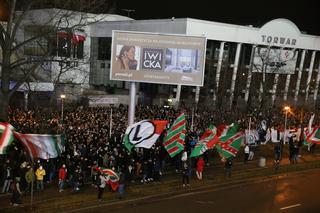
{"x": 159, "y": 106}
{"x": 296, "y": 192}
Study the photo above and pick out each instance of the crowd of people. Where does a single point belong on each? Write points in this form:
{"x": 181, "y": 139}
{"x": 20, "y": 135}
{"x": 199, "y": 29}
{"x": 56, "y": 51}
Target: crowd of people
{"x": 94, "y": 138}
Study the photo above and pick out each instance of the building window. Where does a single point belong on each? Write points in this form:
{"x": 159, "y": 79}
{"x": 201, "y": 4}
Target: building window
{"x": 40, "y": 40}
{"x": 104, "y": 48}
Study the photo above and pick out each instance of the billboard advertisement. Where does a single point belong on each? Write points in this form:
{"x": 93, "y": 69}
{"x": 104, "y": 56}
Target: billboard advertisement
{"x": 275, "y": 60}
{"x": 157, "y": 58}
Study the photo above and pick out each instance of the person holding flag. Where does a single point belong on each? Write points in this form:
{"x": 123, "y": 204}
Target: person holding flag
{"x": 103, "y": 181}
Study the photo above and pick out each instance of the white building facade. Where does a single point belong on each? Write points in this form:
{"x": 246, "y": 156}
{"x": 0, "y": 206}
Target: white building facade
{"x": 230, "y": 72}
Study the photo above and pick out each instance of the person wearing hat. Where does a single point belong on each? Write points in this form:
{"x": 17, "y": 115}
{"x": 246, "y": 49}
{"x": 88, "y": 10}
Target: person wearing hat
{"x": 40, "y": 173}
{"x": 16, "y": 198}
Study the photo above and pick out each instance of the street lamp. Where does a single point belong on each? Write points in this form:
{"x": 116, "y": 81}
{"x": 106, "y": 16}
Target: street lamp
{"x": 62, "y": 96}
{"x": 286, "y": 109}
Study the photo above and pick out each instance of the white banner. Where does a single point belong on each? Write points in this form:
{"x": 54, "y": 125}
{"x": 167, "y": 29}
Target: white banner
{"x": 272, "y": 60}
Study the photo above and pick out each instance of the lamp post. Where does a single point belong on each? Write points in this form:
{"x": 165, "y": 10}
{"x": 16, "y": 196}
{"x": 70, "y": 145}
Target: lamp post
{"x": 62, "y": 96}
{"x": 286, "y": 109}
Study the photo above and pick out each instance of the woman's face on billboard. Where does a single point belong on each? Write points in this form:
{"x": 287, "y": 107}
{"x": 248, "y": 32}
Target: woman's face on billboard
{"x": 131, "y": 53}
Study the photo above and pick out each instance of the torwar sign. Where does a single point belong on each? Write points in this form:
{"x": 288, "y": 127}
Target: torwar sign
{"x": 280, "y": 32}
{"x": 278, "y": 40}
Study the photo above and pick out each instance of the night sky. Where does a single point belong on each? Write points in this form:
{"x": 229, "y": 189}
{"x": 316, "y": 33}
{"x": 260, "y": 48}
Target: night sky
{"x": 304, "y": 13}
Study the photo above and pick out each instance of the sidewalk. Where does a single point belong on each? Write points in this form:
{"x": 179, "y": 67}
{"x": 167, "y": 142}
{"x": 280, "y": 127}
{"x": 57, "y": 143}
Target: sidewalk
{"x": 214, "y": 176}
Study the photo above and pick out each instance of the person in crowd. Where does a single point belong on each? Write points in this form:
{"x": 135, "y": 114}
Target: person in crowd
{"x": 228, "y": 166}
{"x": 101, "y": 185}
{"x": 16, "y": 198}
{"x": 246, "y": 153}
{"x": 122, "y": 184}
{"x": 94, "y": 173}
{"x": 40, "y": 173}
{"x": 76, "y": 179}
{"x": 185, "y": 174}
{"x": 200, "y": 166}
{"x": 8, "y": 177}
{"x": 30, "y": 178}
{"x": 277, "y": 151}
{"x": 62, "y": 177}
{"x": 52, "y": 170}
{"x": 251, "y": 152}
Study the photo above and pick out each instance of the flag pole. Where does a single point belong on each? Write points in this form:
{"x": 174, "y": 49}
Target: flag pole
{"x": 110, "y": 124}
{"x": 32, "y": 184}
{"x": 31, "y": 196}
{"x": 249, "y": 126}
{"x": 192, "y": 116}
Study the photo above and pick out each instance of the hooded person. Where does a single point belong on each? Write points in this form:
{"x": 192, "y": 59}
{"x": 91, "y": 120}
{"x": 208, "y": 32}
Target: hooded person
{"x": 40, "y": 173}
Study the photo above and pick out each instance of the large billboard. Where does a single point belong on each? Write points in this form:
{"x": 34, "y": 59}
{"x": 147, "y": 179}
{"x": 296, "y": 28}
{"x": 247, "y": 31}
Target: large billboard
{"x": 157, "y": 58}
{"x": 273, "y": 60}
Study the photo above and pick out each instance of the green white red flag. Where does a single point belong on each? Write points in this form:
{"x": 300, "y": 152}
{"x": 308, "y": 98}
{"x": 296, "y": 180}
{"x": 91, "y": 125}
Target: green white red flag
{"x": 112, "y": 175}
{"x": 42, "y": 146}
{"x": 144, "y": 133}
{"x": 174, "y": 140}
{"x": 230, "y": 141}
{"x": 207, "y": 141}
{"x": 314, "y": 136}
{"x": 6, "y": 136}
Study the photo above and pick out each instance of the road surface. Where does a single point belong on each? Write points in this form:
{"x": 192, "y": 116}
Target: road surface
{"x": 297, "y": 192}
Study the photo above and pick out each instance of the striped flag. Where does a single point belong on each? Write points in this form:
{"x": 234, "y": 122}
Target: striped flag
{"x": 144, "y": 133}
{"x": 207, "y": 141}
{"x": 174, "y": 141}
{"x": 112, "y": 175}
{"x": 42, "y": 146}
{"x": 230, "y": 141}
{"x": 6, "y": 136}
{"x": 314, "y": 136}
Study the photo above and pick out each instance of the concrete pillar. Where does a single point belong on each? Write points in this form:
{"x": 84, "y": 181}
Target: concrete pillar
{"x": 215, "y": 93}
{"x": 286, "y": 88}
{"x": 317, "y": 85}
{"x": 274, "y": 88}
{"x": 249, "y": 77}
{"x": 234, "y": 75}
{"x": 296, "y": 94}
{"x": 310, "y": 75}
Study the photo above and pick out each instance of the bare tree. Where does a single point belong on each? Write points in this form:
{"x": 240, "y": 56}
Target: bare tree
{"x": 19, "y": 67}
{"x": 270, "y": 60}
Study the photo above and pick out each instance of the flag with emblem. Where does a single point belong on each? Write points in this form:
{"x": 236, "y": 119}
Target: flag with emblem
{"x": 143, "y": 134}
{"x": 230, "y": 141}
{"x": 174, "y": 140}
{"x": 207, "y": 141}
{"x": 6, "y": 136}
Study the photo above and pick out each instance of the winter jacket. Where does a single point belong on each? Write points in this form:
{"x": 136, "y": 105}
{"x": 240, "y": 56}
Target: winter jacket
{"x": 62, "y": 173}
{"x": 200, "y": 165}
{"x": 40, "y": 173}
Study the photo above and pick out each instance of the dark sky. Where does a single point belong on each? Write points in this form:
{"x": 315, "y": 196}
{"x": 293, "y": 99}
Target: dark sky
{"x": 304, "y": 13}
